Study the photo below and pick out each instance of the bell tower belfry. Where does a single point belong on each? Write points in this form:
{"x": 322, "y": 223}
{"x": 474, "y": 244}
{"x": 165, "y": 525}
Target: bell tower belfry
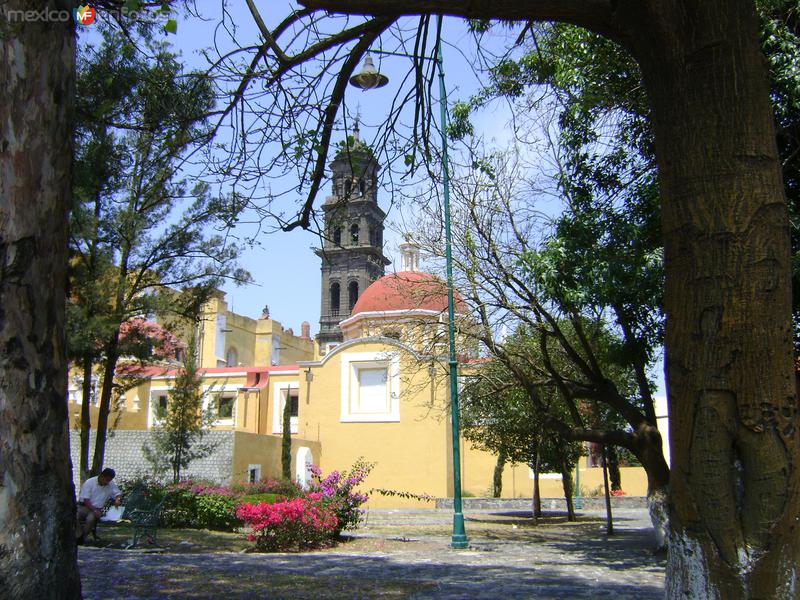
{"x": 352, "y": 253}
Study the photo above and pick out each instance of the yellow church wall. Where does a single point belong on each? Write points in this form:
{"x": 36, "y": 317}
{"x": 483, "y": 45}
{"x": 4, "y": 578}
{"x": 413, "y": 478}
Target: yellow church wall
{"x": 478, "y": 470}
{"x": 264, "y": 451}
{"x": 410, "y": 455}
{"x": 255, "y": 342}
{"x": 132, "y": 412}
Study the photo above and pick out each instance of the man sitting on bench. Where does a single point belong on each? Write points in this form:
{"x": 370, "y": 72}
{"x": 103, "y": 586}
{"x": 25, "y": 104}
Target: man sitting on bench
{"x": 96, "y": 492}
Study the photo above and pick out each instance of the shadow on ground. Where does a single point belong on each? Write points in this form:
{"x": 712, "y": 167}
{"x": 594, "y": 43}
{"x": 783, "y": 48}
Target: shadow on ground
{"x": 507, "y": 558}
{"x": 334, "y": 576}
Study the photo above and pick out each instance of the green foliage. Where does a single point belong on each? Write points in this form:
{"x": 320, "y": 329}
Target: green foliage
{"x": 203, "y": 505}
{"x": 216, "y": 512}
{"x": 144, "y": 238}
{"x": 402, "y": 494}
{"x": 609, "y": 167}
{"x": 284, "y": 488}
{"x": 178, "y": 438}
{"x": 262, "y": 498}
{"x": 286, "y": 438}
{"x": 352, "y": 148}
{"x": 337, "y": 491}
{"x": 499, "y": 415}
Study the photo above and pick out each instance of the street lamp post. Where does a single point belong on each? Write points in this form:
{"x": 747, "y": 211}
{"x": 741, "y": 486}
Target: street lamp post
{"x": 369, "y": 78}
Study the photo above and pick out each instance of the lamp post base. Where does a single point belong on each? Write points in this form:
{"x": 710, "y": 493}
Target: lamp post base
{"x": 459, "y": 539}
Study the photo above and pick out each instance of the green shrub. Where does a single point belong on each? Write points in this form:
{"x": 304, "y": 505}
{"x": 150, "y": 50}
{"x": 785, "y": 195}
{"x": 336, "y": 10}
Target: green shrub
{"x": 261, "y": 498}
{"x": 217, "y": 512}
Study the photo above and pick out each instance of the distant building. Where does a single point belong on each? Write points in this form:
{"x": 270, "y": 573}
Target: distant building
{"x": 373, "y": 384}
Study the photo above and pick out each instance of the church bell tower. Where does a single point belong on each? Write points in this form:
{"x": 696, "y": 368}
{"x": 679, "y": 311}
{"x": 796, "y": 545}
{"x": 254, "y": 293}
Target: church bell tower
{"x": 352, "y": 253}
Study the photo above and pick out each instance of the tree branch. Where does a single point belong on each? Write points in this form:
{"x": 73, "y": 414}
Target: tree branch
{"x": 592, "y": 14}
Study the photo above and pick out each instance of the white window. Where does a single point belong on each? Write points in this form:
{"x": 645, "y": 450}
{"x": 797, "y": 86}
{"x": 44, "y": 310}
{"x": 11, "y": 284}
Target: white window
{"x": 159, "y": 399}
{"x": 370, "y": 387}
{"x": 371, "y": 395}
{"x": 253, "y": 473}
{"x": 283, "y": 392}
{"x": 222, "y": 406}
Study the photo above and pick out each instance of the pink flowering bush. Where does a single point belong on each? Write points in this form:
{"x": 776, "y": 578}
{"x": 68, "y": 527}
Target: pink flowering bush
{"x": 296, "y": 524}
{"x": 147, "y": 340}
{"x": 337, "y": 490}
{"x": 208, "y": 505}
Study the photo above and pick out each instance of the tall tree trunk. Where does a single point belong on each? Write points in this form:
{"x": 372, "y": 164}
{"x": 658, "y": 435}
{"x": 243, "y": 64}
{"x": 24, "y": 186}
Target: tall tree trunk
{"x": 607, "y": 493}
{"x": 733, "y": 409}
{"x": 104, "y": 409}
{"x": 614, "y": 473}
{"x": 537, "y": 493}
{"x": 37, "y": 497}
{"x": 497, "y": 477}
{"x": 648, "y": 449}
{"x": 86, "y": 416}
{"x": 566, "y": 483}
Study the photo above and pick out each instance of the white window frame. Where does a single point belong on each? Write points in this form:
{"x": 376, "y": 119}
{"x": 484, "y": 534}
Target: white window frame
{"x": 155, "y": 392}
{"x": 211, "y": 393}
{"x": 352, "y": 363}
{"x": 257, "y": 469}
{"x": 279, "y": 401}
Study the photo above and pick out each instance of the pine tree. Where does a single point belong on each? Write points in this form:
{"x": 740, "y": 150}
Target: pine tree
{"x": 178, "y": 439}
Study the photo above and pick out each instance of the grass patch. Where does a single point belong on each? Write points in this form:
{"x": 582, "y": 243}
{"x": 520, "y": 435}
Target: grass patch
{"x": 180, "y": 541}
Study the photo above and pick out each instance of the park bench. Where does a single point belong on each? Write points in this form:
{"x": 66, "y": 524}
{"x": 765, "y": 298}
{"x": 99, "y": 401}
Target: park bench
{"x": 142, "y": 514}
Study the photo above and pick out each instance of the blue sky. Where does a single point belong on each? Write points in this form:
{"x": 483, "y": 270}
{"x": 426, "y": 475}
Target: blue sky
{"x": 284, "y": 268}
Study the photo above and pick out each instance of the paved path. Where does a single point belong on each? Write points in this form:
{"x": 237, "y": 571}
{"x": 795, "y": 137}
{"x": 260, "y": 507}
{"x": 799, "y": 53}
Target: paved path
{"x": 551, "y": 562}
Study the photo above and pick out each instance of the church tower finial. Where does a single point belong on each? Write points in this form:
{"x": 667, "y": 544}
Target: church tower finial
{"x": 409, "y": 256}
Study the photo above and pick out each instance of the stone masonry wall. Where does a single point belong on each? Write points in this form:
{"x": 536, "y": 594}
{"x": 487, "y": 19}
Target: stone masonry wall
{"x": 124, "y": 455}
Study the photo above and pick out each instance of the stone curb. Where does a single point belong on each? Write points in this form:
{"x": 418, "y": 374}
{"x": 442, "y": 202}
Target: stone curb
{"x": 588, "y": 503}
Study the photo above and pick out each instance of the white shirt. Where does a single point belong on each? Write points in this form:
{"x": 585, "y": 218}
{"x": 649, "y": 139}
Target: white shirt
{"x": 98, "y": 494}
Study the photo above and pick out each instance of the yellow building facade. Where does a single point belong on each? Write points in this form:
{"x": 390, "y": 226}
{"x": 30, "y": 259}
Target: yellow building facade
{"x": 382, "y": 394}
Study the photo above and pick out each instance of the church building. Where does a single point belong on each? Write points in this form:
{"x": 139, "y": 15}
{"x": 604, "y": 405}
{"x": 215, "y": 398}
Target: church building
{"x": 372, "y": 385}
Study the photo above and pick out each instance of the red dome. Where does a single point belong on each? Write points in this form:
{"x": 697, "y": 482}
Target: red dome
{"x": 406, "y": 290}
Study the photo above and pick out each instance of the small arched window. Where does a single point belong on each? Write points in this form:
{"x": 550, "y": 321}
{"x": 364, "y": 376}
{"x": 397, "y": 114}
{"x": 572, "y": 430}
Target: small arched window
{"x": 354, "y": 234}
{"x": 348, "y": 186}
{"x": 362, "y": 186}
{"x": 334, "y": 299}
{"x": 352, "y": 292}
{"x": 337, "y": 236}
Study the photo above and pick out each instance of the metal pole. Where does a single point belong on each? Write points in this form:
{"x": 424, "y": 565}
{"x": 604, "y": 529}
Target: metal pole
{"x": 459, "y": 538}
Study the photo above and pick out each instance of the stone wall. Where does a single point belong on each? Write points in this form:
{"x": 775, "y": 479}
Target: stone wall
{"x": 124, "y": 455}
{"x": 587, "y": 502}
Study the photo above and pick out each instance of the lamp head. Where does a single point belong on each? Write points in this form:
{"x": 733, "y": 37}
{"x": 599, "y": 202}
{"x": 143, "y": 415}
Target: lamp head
{"x": 368, "y": 78}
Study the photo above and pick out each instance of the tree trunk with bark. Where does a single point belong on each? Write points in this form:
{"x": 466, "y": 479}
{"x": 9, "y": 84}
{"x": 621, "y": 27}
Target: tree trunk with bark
{"x": 566, "y": 483}
{"x": 732, "y": 404}
{"x": 37, "y": 500}
{"x": 497, "y": 477}
{"x": 537, "y": 493}
{"x": 86, "y": 417}
{"x": 614, "y": 473}
{"x": 735, "y": 491}
{"x": 104, "y": 408}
